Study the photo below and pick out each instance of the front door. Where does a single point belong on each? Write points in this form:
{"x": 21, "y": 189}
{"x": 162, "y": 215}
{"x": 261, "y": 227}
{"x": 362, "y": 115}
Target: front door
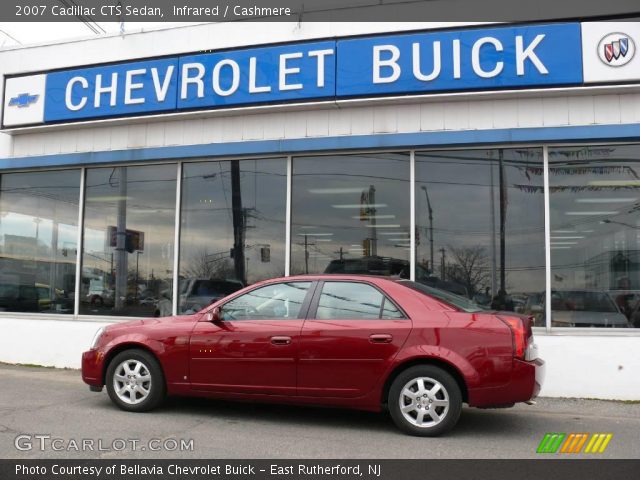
{"x": 348, "y": 340}
{"x": 254, "y": 348}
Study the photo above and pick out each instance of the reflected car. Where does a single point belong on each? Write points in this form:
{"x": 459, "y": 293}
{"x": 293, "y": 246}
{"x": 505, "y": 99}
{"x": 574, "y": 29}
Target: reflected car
{"x": 60, "y": 303}
{"x": 371, "y": 265}
{"x": 534, "y": 307}
{"x": 197, "y": 293}
{"x": 585, "y": 308}
{"x": 18, "y": 298}
{"x": 360, "y": 342}
{"x": 634, "y": 316}
{"x": 99, "y": 295}
{"x": 387, "y": 266}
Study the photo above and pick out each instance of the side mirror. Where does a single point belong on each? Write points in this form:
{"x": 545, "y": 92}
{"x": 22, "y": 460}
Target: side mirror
{"x": 214, "y": 316}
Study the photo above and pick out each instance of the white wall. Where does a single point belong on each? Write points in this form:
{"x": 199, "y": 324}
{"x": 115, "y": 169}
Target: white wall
{"x": 594, "y": 366}
{"x": 322, "y": 121}
{"x": 591, "y": 366}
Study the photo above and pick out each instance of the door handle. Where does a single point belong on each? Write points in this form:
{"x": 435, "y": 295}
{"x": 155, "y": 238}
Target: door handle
{"x": 281, "y": 340}
{"x": 381, "y": 338}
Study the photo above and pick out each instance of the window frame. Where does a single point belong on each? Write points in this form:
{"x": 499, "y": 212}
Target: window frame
{"x": 315, "y": 301}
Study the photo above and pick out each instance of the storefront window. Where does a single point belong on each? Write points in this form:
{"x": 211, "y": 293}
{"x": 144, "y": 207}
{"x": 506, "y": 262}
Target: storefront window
{"x": 38, "y": 241}
{"x": 232, "y": 228}
{"x": 595, "y": 236}
{"x": 480, "y": 226}
{"x": 350, "y": 214}
{"x": 127, "y": 260}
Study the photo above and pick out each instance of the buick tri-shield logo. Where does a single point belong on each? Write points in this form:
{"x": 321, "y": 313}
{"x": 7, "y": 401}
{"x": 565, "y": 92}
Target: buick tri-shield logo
{"x": 616, "y": 49}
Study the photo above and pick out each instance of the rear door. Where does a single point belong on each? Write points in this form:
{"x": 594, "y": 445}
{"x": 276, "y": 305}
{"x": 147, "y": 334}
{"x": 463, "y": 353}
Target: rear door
{"x": 351, "y": 334}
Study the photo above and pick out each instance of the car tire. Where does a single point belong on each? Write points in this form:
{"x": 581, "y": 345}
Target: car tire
{"x": 425, "y": 401}
{"x": 135, "y": 381}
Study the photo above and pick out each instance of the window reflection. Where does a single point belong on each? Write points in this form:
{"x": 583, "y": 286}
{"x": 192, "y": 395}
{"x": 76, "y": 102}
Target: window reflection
{"x": 38, "y": 241}
{"x": 480, "y": 225}
{"x": 595, "y": 236}
{"x": 233, "y": 228}
{"x": 280, "y": 301}
{"x": 350, "y": 214}
{"x": 127, "y": 261}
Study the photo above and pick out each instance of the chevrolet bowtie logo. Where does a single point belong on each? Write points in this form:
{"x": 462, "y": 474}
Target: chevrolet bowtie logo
{"x": 23, "y": 100}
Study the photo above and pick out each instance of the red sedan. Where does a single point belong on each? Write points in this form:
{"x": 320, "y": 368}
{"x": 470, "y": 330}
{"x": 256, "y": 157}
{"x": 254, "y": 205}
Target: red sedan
{"x": 352, "y": 341}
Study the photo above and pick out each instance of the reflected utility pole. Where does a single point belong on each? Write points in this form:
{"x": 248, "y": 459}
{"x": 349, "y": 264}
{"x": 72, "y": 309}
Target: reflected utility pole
{"x": 493, "y": 229}
{"x": 121, "y": 241}
{"x": 503, "y": 219}
{"x": 239, "y": 223}
{"x": 373, "y": 251}
{"x": 430, "y": 212}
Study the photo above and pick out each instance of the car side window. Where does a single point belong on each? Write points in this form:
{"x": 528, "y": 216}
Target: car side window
{"x": 279, "y": 301}
{"x": 390, "y": 311}
{"x": 354, "y": 301}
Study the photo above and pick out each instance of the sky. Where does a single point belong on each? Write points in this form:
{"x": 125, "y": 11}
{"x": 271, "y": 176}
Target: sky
{"x": 30, "y": 33}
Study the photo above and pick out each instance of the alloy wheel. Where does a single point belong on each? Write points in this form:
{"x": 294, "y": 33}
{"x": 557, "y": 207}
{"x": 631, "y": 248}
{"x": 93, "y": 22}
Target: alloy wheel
{"x": 132, "y": 381}
{"x": 424, "y": 402}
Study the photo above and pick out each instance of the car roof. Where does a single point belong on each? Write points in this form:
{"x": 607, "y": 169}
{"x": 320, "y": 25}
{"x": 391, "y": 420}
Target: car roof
{"x": 334, "y": 276}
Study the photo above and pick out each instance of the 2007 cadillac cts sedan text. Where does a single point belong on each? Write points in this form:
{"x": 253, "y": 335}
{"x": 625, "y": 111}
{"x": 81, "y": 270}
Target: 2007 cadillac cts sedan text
{"x": 368, "y": 343}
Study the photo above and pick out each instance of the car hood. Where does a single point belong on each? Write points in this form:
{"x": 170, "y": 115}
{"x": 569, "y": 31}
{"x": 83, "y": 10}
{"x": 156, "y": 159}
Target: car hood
{"x": 153, "y": 321}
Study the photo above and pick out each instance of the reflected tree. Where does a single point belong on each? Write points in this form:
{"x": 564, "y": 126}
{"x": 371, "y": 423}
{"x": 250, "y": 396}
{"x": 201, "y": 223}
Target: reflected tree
{"x": 469, "y": 266}
{"x": 203, "y": 264}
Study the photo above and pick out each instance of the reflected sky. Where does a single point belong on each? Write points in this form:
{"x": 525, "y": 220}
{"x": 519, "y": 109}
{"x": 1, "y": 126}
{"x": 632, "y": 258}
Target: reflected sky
{"x": 348, "y": 206}
{"x": 464, "y": 191}
{"x": 38, "y": 237}
{"x": 150, "y": 208}
{"x": 207, "y": 233}
{"x": 595, "y": 220}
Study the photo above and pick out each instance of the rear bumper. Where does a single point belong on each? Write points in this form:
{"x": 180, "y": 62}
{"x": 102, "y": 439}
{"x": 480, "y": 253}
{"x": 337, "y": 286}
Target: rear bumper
{"x": 92, "y": 369}
{"x": 526, "y": 381}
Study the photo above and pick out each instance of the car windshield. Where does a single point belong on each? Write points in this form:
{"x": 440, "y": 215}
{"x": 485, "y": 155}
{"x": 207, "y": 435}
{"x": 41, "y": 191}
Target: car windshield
{"x": 458, "y": 301}
{"x": 581, "y": 301}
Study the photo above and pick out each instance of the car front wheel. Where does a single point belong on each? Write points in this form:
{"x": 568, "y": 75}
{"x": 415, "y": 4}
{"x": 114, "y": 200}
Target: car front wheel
{"x": 425, "y": 401}
{"x": 135, "y": 381}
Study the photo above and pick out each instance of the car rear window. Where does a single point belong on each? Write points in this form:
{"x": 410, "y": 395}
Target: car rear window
{"x": 456, "y": 301}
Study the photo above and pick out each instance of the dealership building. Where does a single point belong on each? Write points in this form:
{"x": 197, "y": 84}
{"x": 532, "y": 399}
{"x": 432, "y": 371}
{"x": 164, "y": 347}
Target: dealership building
{"x": 148, "y": 174}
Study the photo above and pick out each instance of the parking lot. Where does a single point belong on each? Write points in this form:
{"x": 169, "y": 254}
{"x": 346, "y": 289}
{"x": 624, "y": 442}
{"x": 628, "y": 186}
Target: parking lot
{"x": 56, "y": 404}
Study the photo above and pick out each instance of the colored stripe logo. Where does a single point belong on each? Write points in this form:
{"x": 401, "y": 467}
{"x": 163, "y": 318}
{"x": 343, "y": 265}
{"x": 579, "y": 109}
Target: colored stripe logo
{"x": 574, "y": 443}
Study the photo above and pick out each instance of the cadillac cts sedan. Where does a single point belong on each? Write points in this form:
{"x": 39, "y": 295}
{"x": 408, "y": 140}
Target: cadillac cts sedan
{"x": 352, "y": 341}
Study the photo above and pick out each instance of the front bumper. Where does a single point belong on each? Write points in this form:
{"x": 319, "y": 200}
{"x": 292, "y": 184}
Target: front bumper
{"x": 92, "y": 362}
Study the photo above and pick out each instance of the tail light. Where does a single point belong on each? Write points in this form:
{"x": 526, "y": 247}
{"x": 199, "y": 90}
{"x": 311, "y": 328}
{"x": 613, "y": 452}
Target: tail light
{"x": 520, "y": 333}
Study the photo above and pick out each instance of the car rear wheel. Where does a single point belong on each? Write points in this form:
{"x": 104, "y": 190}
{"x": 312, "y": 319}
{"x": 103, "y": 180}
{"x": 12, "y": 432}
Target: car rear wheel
{"x": 135, "y": 381}
{"x": 425, "y": 401}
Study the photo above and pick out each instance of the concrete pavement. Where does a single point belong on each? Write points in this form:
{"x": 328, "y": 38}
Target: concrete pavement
{"x": 57, "y": 404}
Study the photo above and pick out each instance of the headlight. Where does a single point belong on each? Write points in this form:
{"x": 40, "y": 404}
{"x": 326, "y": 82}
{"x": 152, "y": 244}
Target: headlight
{"x": 96, "y": 337}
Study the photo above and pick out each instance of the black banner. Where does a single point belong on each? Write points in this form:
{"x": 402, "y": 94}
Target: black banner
{"x": 317, "y": 469}
{"x": 311, "y": 10}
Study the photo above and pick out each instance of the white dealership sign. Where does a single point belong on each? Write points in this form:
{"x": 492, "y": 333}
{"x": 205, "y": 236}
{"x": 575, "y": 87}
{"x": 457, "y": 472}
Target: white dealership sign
{"x": 24, "y": 100}
{"x": 610, "y": 51}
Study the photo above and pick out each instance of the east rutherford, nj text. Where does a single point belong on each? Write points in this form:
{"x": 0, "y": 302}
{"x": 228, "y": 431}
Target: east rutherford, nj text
{"x": 182, "y": 470}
